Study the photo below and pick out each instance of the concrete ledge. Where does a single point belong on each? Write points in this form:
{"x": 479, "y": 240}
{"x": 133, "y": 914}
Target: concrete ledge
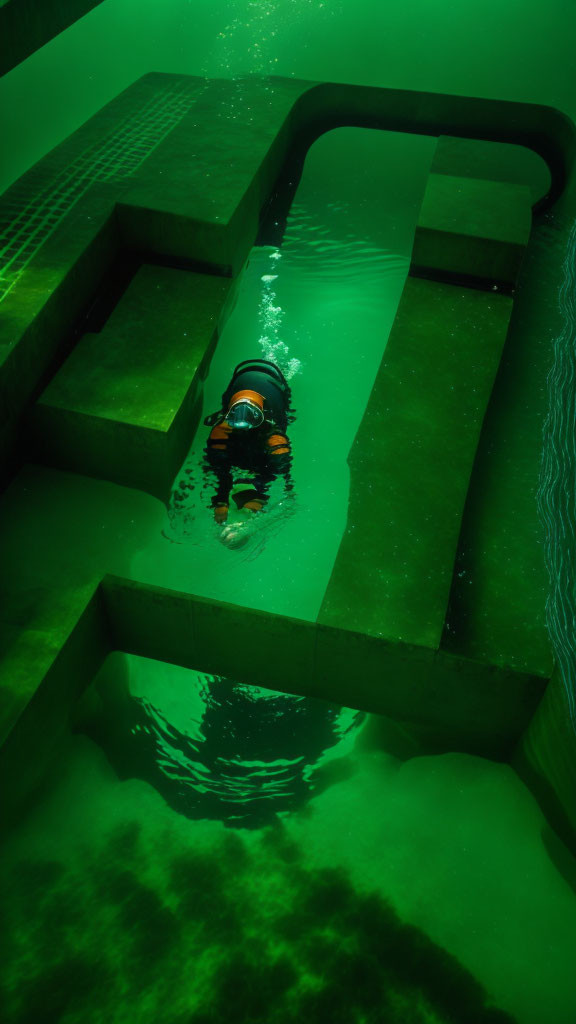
{"x": 125, "y": 402}
{"x": 39, "y": 720}
{"x": 36, "y": 320}
{"x": 411, "y": 463}
{"x": 199, "y": 195}
{"x": 497, "y": 607}
{"x": 472, "y": 705}
{"x": 491, "y": 161}
{"x": 464, "y": 705}
{"x": 187, "y": 139}
{"x": 472, "y": 228}
{"x": 546, "y": 759}
{"x": 546, "y": 131}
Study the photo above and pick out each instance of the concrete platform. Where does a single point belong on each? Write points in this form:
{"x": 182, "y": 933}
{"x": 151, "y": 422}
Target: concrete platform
{"x": 187, "y": 183}
{"x": 411, "y": 463}
{"x": 470, "y": 228}
{"x": 491, "y": 161}
{"x": 463, "y": 704}
{"x": 134, "y": 177}
{"x": 166, "y": 170}
{"x": 127, "y": 400}
{"x": 498, "y": 597}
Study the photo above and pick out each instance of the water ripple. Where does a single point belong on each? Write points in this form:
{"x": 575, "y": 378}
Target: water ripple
{"x": 220, "y": 749}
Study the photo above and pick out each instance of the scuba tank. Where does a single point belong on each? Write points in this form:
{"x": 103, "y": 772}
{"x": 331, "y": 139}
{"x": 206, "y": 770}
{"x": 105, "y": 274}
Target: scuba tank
{"x": 266, "y": 379}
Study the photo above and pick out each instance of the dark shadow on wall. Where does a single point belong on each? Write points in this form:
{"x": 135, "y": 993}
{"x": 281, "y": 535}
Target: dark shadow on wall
{"x": 564, "y": 861}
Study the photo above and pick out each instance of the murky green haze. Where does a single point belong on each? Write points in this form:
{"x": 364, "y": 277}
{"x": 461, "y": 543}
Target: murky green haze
{"x": 510, "y": 50}
{"x": 206, "y": 851}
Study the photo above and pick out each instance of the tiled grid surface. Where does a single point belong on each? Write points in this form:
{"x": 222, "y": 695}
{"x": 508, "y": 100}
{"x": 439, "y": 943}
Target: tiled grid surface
{"x": 118, "y": 155}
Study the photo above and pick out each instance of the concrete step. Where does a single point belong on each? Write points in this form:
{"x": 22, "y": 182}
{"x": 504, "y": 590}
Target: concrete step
{"x": 411, "y": 463}
{"x": 472, "y": 228}
{"x": 125, "y": 403}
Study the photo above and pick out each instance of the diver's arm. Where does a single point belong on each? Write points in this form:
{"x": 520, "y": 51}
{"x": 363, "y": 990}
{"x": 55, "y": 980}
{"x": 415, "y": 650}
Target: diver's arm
{"x": 221, "y": 498}
{"x": 279, "y": 460}
{"x": 224, "y": 485}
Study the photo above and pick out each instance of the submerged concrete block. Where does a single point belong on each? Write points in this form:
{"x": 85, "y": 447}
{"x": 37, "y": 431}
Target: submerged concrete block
{"x": 211, "y": 636}
{"x": 200, "y": 194}
{"x": 497, "y": 608}
{"x": 473, "y": 228}
{"x": 469, "y": 704}
{"x": 169, "y": 170}
{"x": 163, "y": 171}
{"x": 186, "y": 176}
{"x": 411, "y": 463}
{"x": 57, "y": 668}
{"x": 460, "y": 703}
{"x": 36, "y": 320}
{"x": 546, "y": 758}
{"x": 492, "y": 161}
{"x": 125, "y": 402}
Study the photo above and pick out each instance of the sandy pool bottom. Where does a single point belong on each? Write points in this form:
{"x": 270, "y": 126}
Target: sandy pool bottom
{"x": 414, "y": 891}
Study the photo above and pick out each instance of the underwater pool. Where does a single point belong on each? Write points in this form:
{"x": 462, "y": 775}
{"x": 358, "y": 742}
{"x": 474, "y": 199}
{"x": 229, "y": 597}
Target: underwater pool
{"x": 204, "y": 849}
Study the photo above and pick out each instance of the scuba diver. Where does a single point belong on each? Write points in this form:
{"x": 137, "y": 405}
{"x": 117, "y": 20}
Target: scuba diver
{"x": 248, "y": 447}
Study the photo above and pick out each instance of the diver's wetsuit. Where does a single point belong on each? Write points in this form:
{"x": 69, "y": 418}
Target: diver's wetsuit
{"x": 264, "y": 452}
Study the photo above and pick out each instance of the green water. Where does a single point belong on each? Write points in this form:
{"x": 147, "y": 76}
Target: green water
{"x": 510, "y": 50}
{"x": 321, "y": 306}
{"x": 387, "y": 889}
{"x": 381, "y": 884}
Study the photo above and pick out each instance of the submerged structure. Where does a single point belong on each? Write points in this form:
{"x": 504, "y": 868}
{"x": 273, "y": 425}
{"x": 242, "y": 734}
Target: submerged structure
{"x": 145, "y": 216}
{"x": 137, "y": 228}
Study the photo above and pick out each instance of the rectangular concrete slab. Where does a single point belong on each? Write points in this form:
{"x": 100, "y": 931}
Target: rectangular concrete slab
{"x": 411, "y": 463}
{"x": 546, "y": 758}
{"x": 39, "y": 312}
{"x": 466, "y": 704}
{"x": 63, "y": 534}
{"x": 499, "y": 592}
{"x": 460, "y": 704}
{"x": 472, "y": 228}
{"x": 35, "y": 723}
{"x": 200, "y": 194}
{"x": 166, "y": 170}
{"x": 123, "y": 404}
{"x": 493, "y": 161}
{"x": 212, "y": 636}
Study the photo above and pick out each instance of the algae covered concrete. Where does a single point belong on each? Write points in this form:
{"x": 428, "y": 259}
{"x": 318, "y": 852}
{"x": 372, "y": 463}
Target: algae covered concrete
{"x": 492, "y": 162}
{"x": 64, "y": 533}
{"x": 136, "y": 175}
{"x": 451, "y": 891}
{"x": 457, "y": 699}
{"x": 115, "y": 184}
{"x": 126, "y": 401}
{"x": 152, "y": 196}
{"x": 472, "y": 228}
{"x": 412, "y": 460}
